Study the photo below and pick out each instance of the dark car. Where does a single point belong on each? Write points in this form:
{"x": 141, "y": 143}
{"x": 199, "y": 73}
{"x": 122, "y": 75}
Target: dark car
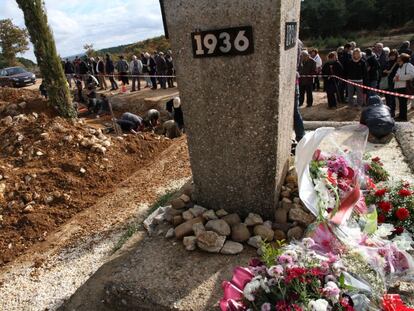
{"x": 16, "y": 76}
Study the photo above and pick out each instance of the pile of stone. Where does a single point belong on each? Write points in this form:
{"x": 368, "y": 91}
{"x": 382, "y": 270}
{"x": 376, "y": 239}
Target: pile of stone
{"x": 221, "y": 232}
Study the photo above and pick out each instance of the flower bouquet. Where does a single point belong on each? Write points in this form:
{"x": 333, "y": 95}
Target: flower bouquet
{"x": 297, "y": 279}
{"x": 395, "y": 205}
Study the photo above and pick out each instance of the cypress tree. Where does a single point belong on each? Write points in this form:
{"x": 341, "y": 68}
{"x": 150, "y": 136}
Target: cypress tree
{"x": 47, "y": 58}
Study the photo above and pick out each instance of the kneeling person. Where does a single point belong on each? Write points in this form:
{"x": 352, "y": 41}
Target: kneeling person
{"x": 377, "y": 117}
{"x": 131, "y": 123}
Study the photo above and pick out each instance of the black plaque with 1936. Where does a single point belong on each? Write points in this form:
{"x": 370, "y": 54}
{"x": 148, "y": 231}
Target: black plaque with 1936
{"x": 223, "y": 42}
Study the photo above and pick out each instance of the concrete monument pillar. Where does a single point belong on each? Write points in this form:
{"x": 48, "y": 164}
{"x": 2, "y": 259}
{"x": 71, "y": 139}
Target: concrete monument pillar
{"x": 236, "y": 69}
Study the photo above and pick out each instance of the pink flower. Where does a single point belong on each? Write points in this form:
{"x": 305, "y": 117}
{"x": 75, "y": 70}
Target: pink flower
{"x": 276, "y": 271}
{"x": 317, "y": 155}
{"x": 266, "y": 307}
{"x": 241, "y": 276}
{"x": 285, "y": 259}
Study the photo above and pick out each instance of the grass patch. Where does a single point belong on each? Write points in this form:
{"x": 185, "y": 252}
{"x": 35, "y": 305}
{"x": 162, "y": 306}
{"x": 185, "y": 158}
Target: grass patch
{"x": 135, "y": 227}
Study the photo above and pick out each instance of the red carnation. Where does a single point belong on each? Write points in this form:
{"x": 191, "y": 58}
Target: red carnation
{"x": 376, "y": 159}
{"x": 402, "y": 214}
{"x": 398, "y": 230}
{"x": 385, "y": 206}
{"x": 404, "y": 193}
{"x": 381, "y": 219}
{"x": 406, "y": 184}
{"x": 380, "y": 193}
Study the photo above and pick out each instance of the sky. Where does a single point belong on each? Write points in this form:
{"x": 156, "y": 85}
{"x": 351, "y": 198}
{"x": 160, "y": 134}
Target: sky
{"x": 104, "y": 23}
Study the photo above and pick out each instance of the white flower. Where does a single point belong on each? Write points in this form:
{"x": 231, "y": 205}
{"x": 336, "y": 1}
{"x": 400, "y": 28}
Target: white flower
{"x": 384, "y": 230}
{"x": 404, "y": 241}
{"x": 275, "y": 271}
{"x": 250, "y": 289}
{"x": 331, "y": 290}
{"x": 308, "y": 242}
{"x": 266, "y": 307}
{"x": 292, "y": 254}
{"x": 337, "y": 268}
{"x": 318, "y": 305}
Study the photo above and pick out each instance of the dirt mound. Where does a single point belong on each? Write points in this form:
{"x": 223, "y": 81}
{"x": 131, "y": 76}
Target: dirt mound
{"x": 52, "y": 168}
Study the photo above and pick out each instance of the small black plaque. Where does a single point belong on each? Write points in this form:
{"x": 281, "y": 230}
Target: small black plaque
{"x": 223, "y": 42}
{"x": 291, "y": 35}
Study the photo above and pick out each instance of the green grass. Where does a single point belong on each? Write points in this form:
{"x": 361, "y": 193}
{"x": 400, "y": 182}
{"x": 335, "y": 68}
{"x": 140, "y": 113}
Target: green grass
{"x": 135, "y": 227}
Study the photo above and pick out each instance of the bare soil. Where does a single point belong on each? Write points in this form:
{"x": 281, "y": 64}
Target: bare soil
{"x": 41, "y": 157}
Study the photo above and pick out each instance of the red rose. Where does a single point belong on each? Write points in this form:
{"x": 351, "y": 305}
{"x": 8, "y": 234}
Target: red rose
{"x": 385, "y": 206}
{"x": 381, "y": 219}
{"x": 402, "y": 214}
{"x": 380, "y": 193}
{"x": 398, "y": 230}
{"x": 404, "y": 193}
{"x": 376, "y": 159}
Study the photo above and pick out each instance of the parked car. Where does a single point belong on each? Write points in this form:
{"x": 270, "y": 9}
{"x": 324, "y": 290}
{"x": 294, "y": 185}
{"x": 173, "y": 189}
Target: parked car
{"x": 16, "y": 76}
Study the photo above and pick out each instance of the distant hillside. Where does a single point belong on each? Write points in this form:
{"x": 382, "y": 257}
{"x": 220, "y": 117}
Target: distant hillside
{"x": 150, "y": 45}
{"x": 27, "y": 63}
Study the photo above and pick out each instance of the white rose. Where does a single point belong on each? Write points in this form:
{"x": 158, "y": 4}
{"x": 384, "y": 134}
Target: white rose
{"x": 318, "y": 305}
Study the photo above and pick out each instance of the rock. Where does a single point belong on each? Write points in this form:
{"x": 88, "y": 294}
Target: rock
{"x": 190, "y": 243}
{"x": 210, "y": 215}
{"x": 298, "y": 215}
{"x": 255, "y": 241}
{"x": 268, "y": 224}
{"x": 283, "y": 227}
{"x": 296, "y": 200}
{"x": 279, "y": 235}
{"x": 39, "y": 153}
{"x": 231, "y": 248}
{"x": 68, "y": 138}
{"x": 291, "y": 179}
{"x": 286, "y": 205}
{"x": 240, "y": 233}
{"x": 186, "y": 228}
{"x": 296, "y": 233}
{"x": 285, "y": 194}
{"x": 286, "y": 200}
{"x": 106, "y": 143}
{"x": 281, "y": 215}
{"x": 210, "y": 241}
{"x": 7, "y": 121}
{"x": 159, "y": 219}
{"x": 82, "y": 170}
{"x": 177, "y": 204}
{"x": 185, "y": 198}
{"x": 198, "y": 228}
{"x": 253, "y": 220}
{"x": 264, "y": 232}
{"x": 187, "y": 215}
{"x": 177, "y": 220}
{"x": 197, "y": 210}
{"x": 22, "y": 105}
{"x": 170, "y": 233}
{"x": 219, "y": 226}
{"x": 221, "y": 213}
{"x": 27, "y": 197}
{"x": 29, "y": 208}
{"x": 232, "y": 219}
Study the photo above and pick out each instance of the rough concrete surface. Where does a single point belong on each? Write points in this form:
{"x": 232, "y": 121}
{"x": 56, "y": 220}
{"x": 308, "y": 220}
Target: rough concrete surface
{"x": 153, "y": 273}
{"x": 239, "y": 135}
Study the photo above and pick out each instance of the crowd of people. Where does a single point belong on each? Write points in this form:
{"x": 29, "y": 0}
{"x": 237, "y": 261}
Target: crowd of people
{"x": 155, "y": 69}
{"x": 378, "y": 67}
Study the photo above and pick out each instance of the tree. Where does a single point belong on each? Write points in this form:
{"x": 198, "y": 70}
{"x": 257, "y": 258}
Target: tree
{"x": 13, "y": 40}
{"x": 47, "y": 58}
{"x": 89, "y": 51}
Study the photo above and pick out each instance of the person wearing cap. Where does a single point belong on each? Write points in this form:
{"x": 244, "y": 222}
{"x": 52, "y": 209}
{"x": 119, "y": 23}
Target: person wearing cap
{"x": 135, "y": 68}
{"x": 307, "y": 67}
{"x": 173, "y": 106}
{"x": 152, "y": 118}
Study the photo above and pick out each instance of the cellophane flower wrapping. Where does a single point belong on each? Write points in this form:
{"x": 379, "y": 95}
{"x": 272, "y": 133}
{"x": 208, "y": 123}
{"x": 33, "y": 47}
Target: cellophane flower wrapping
{"x": 331, "y": 174}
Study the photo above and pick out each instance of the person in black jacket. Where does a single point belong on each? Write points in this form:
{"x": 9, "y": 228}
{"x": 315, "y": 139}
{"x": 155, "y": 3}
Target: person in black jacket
{"x": 109, "y": 69}
{"x": 170, "y": 70}
{"x": 153, "y": 70}
{"x": 69, "y": 71}
{"x": 356, "y": 71}
{"x": 84, "y": 70}
{"x": 373, "y": 71}
{"x": 332, "y": 68}
{"x": 389, "y": 74}
{"x": 377, "y": 117}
